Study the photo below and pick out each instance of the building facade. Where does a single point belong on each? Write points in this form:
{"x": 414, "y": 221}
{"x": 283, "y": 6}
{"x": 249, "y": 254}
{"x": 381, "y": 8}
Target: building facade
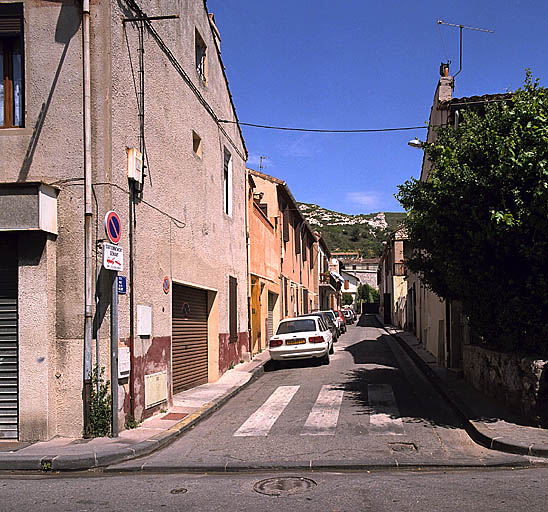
{"x": 91, "y": 88}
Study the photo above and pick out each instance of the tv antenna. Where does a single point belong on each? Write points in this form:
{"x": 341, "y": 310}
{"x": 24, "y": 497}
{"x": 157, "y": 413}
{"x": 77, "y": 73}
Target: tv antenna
{"x": 262, "y": 158}
{"x": 440, "y": 22}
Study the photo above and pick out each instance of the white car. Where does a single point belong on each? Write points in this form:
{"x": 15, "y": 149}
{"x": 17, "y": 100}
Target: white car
{"x": 300, "y": 338}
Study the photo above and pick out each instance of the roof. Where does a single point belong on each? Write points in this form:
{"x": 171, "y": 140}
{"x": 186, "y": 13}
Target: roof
{"x": 265, "y": 176}
{"x": 470, "y": 101}
{"x": 283, "y": 185}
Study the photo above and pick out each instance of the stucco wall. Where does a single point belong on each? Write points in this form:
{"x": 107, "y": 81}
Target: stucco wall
{"x": 181, "y": 230}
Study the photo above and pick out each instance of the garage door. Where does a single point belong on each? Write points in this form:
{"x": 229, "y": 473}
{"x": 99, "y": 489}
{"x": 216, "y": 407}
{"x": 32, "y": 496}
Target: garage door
{"x": 189, "y": 337}
{"x": 8, "y": 339}
{"x": 271, "y": 305}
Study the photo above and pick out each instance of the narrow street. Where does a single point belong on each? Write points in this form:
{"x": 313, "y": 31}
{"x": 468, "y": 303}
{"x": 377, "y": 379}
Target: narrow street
{"x": 370, "y": 405}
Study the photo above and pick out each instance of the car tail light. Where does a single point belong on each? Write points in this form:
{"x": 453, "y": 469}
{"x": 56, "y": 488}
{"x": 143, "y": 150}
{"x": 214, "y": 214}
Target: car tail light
{"x": 275, "y": 342}
{"x": 316, "y": 339}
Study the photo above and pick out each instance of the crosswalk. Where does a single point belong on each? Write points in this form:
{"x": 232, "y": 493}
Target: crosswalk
{"x": 322, "y": 420}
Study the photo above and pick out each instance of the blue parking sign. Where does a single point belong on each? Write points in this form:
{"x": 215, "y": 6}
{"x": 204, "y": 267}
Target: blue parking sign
{"x": 122, "y": 285}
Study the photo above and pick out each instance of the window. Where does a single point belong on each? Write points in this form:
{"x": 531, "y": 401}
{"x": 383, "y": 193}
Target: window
{"x": 227, "y": 182}
{"x": 196, "y": 144}
{"x": 200, "y": 50}
{"x": 11, "y": 66}
{"x": 233, "y": 308}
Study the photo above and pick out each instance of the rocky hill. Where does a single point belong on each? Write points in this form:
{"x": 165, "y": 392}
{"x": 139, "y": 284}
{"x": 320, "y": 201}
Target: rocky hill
{"x": 363, "y": 233}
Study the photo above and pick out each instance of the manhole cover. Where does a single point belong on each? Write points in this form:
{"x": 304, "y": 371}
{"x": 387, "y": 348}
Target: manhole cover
{"x": 284, "y": 486}
{"x": 181, "y": 490}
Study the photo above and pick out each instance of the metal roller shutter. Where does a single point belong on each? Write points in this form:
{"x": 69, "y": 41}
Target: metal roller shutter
{"x": 8, "y": 340}
{"x": 189, "y": 337}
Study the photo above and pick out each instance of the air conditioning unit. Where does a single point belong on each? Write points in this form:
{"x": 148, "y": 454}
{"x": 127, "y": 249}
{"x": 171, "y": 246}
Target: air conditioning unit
{"x": 134, "y": 165}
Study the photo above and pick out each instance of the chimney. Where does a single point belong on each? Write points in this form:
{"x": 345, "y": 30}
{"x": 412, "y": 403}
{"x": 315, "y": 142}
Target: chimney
{"x": 216, "y": 32}
{"x": 445, "y": 86}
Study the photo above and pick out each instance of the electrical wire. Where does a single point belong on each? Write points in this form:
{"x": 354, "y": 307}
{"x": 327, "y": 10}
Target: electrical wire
{"x": 178, "y": 223}
{"x": 317, "y": 130}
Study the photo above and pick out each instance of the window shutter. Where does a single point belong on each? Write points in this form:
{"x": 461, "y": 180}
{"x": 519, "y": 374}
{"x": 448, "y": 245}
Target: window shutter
{"x": 11, "y": 19}
{"x": 285, "y": 215}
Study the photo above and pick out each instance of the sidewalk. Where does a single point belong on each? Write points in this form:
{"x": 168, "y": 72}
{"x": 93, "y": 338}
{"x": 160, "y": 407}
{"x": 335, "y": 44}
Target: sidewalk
{"x": 189, "y": 407}
{"x": 487, "y": 422}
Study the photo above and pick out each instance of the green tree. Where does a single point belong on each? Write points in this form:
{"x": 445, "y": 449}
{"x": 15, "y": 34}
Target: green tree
{"x": 367, "y": 293}
{"x": 480, "y": 223}
{"x": 347, "y": 299}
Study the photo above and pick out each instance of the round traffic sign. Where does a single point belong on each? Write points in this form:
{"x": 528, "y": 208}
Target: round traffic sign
{"x": 165, "y": 284}
{"x": 113, "y": 227}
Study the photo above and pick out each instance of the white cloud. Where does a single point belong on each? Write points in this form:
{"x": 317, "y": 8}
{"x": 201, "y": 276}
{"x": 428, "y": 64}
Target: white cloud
{"x": 370, "y": 200}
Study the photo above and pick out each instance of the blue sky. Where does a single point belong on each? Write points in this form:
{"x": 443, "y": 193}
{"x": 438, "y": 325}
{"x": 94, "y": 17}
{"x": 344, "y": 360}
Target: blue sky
{"x": 360, "y": 64}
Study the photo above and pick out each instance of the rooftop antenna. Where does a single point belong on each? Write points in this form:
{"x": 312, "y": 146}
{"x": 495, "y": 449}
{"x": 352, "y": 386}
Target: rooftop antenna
{"x": 440, "y": 22}
{"x": 262, "y": 158}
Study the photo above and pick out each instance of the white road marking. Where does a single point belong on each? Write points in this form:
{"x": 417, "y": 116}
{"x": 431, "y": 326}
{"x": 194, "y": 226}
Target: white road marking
{"x": 262, "y": 420}
{"x": 384, "y": 413}
{"x": 322, "y": 420}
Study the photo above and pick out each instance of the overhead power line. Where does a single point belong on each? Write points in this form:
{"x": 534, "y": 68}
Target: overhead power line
{"x": 316, "y": 130}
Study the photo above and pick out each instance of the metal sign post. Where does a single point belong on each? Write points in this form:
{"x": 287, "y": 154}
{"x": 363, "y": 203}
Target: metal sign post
{"x": 114, "y": 353}
{"x": 113, "y": 260}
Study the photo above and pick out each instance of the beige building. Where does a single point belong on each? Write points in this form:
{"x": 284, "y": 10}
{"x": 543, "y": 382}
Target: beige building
{"x": 437, "y": 323}
{"x": 392, "y": 281}
{"x": 77, "y": 101}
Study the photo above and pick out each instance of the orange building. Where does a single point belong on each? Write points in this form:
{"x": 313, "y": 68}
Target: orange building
{"x": 283, "y": 257}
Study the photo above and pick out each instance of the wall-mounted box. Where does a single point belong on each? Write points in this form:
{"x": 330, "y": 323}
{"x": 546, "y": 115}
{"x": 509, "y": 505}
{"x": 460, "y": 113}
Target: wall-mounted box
{"x": 124, "y": 362}
{"x": 144, "y": 320}
{"x": 155, "y": 389}
{"x": 134, "y": 165}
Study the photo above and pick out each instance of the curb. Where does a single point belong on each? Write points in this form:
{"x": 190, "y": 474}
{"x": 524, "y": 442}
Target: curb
{"x": 312, "y": 466}
{"x": 94, "y": 460}
{"x": 476, "y": 430}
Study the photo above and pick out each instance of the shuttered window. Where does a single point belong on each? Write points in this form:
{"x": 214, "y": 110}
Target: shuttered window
{"x": 11, "y": 66}
{"x": 233, "y": 308}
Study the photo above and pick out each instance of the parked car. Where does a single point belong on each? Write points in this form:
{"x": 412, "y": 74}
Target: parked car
{"x": 328, "y": 321}
{"x": 348, "y": 316}
{"x": 301, "y": 338}
{"x": 342, "y": 321}
{"x": 336, "y": 320}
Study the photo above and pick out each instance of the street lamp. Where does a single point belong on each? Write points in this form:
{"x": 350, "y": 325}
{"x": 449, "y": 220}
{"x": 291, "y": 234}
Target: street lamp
{"x": 415, "y": 143}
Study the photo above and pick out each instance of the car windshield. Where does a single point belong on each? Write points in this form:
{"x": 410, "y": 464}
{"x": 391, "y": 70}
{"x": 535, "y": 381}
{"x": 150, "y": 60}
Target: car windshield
{"x": 291, "y": 326}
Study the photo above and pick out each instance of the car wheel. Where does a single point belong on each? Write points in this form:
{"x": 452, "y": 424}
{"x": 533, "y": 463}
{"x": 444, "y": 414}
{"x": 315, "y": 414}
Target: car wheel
{"x": 331, "y": 349}
{"x": 325, "y": 359}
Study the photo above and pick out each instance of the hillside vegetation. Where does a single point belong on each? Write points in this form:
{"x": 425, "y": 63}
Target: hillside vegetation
{"x": 361, "y": 233}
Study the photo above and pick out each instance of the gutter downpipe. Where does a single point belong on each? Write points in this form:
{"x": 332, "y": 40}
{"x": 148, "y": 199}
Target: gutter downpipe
{"x": 88, "y": 214}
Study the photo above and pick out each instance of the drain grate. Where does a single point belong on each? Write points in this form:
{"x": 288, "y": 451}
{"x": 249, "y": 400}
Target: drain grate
{"x": 403, "y": 447}
{"x": 284, "y": 486}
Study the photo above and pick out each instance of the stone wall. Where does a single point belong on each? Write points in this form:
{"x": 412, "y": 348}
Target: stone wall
{"x": 520, "y": 381}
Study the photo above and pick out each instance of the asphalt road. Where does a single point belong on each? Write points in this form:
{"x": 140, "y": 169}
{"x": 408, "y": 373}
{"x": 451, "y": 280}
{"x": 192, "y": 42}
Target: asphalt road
{"x": 485, "y": 490}
{"x": 370, "y": 407}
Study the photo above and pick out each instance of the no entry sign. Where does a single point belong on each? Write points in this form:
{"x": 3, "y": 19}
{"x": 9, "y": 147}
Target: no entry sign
{"x": 113, "y": 227}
